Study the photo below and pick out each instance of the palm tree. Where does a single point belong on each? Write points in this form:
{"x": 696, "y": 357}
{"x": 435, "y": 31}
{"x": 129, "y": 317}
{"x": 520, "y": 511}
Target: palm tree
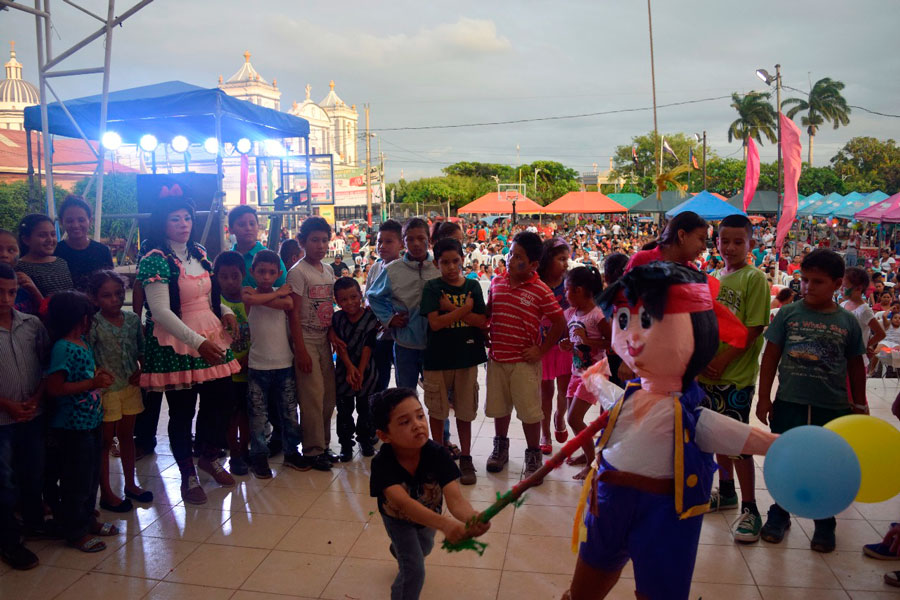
{"x": 824, "y": 103}
{"x": 757, "y": 118}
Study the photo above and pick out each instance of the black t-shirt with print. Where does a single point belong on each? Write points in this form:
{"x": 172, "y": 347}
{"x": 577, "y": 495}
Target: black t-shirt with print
{"x": 436, "y": 469}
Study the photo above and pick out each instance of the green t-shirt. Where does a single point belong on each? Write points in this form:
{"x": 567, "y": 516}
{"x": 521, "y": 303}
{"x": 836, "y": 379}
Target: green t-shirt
{"x": 240, "y": 347}
{"x": 815, "y": 349}
{"x": 746, "y": 294}
{"x": 458, "y": 346}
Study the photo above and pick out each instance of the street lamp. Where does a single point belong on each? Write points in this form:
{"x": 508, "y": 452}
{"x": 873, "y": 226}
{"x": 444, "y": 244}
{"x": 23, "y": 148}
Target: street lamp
{"x": 769, "y": 80}
{"x": 536, "y": 171}
{"x": 697, "y": 137}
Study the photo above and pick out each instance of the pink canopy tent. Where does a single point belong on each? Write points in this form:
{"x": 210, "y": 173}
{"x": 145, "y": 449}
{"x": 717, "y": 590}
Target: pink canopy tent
{"x": 500, "y": 203}
{"x": 584, "y": 203}
{"x": 881, "y": 212}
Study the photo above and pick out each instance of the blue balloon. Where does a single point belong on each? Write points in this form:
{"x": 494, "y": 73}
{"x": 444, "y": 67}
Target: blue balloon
{"x": 812, "y": 472}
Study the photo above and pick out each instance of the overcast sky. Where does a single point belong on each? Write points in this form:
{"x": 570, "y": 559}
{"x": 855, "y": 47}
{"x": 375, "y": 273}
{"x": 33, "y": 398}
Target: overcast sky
{"x": 441, "y": 63}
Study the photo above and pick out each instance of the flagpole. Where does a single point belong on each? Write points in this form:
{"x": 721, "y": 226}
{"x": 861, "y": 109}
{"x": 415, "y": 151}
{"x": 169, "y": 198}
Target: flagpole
{"x": 658, "y": 158}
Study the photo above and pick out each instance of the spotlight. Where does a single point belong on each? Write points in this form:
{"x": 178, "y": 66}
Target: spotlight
{"x": 111, "y": 140}
{"x": 243, "y": 145}
{"x": 180, "y": 143}
{"x": 211, "y": 145}
{"x": 148, "y": 143}
{"x": 274, "y": 148}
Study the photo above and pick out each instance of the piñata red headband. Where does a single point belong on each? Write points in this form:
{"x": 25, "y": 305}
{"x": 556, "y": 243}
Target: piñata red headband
{"x": 682, "y": 298}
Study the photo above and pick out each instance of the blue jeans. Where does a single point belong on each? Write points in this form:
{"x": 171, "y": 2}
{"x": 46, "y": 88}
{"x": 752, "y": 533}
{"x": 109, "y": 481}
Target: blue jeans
{"x": 383, "y": 357}
{"x": 21, "y": 478}
{"x": 279, "y": 385}
{"x": 408, "y": 365}
{"x": 411, "y": 544}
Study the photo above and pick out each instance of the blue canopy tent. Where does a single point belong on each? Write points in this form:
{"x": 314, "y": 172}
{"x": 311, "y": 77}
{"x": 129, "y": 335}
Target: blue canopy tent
{"x": 809, "y": 209}
{"x": 833, "y": 202}
{"x": 804, "y": 202}
{"x": 854, "y": 205}
{"x": 707, "y": 206}
{"x": 166, "y": 110}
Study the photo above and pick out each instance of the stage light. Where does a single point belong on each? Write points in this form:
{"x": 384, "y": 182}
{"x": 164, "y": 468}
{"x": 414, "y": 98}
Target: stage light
{"x": 148, "y": 142}
{"x": 180, "y": 143}
{"x": 274, "y": 148}
{"x": 243, "y": 145}
{"x": 211, "y": 145}
{"x": 111, "y": 140}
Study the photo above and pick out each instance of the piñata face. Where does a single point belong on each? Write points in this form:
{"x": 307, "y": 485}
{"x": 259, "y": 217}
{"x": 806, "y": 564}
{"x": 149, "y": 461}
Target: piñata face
{"x": 652, "y": 348}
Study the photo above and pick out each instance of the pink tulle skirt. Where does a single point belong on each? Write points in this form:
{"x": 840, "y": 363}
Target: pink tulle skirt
{"x": 555, "y": 364}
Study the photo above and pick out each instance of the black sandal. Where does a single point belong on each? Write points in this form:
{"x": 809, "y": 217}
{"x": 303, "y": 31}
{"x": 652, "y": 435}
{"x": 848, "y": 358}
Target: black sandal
{"x": 122, "y": 507}
{"x": 144, "y": 496}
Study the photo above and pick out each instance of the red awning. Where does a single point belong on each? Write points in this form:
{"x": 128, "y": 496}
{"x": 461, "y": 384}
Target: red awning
{"x": 500, "y": 203}
{"x": 584, "y": 203}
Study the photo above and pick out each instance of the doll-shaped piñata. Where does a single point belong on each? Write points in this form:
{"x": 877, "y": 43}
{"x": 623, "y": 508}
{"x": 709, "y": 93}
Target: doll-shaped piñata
{"x": 651, "y": 481}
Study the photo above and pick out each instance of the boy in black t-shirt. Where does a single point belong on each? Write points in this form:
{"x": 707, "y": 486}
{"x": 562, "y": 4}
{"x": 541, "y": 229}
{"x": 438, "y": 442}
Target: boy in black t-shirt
{"x": 410, "y": 477}
{"x": 454, "y": 348}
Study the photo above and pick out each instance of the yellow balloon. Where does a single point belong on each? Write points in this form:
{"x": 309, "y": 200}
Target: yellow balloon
{"x": 877, "y": 446}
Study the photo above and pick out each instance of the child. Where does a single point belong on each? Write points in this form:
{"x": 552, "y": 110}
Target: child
{"x": 794, "y": 284}
{"x": 37, "y": 237}
{"x": 856, "y": 280}
{"x": 728, "y": 381}
{"x": 23, "y": 350}
{"x": 395, "y": 297}
{"x": 117, "y": 340}
{"x": 588, "y": 339}
{"x": 290, "y": 252}
{"x": 355, "y": 375}
{"x": 75, "y": 423}
{"x": 312, "y": 295}
{"x": 784, "y": 296}
{"x": 243, "y": 222}
{"x": 814, "y": 345}
{"x": 229, "y": 273}
{"x": 556, "y": 365}
{"x": 270, "y": 365}
{"x": 454, "y": 348}
{"x": 83, "y": 255}
{"x": 516, "y": 305}
{"x": 28, "y": 297}
{"x": 388, "y": 245}
{"x": 884, "y": 301}
{"x": 410, "y": 477}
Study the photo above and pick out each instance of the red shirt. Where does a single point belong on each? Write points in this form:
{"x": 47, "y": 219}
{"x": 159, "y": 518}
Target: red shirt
{"x": 516, "y": 314}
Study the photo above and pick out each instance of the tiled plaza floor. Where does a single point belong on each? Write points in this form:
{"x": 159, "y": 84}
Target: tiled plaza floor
{"x": 317, "y": 535}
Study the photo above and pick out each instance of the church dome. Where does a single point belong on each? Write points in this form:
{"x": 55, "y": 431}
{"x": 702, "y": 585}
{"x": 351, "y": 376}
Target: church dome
{"x": 14, "y": 90}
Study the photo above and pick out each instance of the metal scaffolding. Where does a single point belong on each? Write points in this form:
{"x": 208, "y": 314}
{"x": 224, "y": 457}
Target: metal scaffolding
{"x": 47, "y": 69}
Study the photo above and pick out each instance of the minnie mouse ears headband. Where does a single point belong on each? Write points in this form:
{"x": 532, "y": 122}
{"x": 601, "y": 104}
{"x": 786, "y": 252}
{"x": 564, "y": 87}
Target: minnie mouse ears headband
{"x": 170, "y": 192}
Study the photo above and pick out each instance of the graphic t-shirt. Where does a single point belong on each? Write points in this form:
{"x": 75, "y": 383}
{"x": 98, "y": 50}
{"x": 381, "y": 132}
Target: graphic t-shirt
{"x": 77, "y": 411}
{"x": 815, "y": 349}
{"x": 240, "y": 346}
{"x": 460, "y": 345}
{"x": 582, "y": 355}
{"x": 746, "y": 294}
{"x": 315, "y": 288}
{"x": 426, "y": 486}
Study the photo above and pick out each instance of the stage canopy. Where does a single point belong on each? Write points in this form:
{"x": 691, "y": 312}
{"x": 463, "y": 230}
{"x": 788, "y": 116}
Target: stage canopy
{"x": 707, "y": 206}
{"x": 584, "y": 203}
{"x": 626, "y": 199}
{"x": 877, "y": 212}
{"x": 765, "y": 202}
{"x": 719, "y": 196}
{"x": 501, "y": 203}
{"x": 169, "y": 109}
{"x": 853, "y": 206}
{"x": 670, "y": 200}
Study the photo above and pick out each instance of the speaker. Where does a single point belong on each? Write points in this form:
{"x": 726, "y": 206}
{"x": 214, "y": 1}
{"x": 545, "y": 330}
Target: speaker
{"x": 200, "y": 188}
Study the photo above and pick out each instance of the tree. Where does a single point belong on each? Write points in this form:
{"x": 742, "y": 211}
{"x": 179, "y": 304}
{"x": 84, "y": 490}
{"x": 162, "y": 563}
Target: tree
{"x": 482, "y": 170}
{"x": 15, "y": 202}
{"x": 756, "y": 118}
{"x": 823, "y": 104}
{"x": 866, "y": 164}
{"x": 119, "y": 197}
{"x": 641, "y": 178}
{"x": 820, "y": 179}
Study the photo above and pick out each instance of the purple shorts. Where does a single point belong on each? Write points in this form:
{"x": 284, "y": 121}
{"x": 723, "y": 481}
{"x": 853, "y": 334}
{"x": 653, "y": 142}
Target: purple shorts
{"x": 643, "y": 527}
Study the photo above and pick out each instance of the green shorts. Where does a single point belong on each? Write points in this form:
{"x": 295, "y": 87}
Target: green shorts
{"x": 787, "y": 415}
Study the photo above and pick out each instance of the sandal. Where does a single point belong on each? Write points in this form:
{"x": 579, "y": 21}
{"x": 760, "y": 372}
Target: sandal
{"x": 122, "y": 507}
{"x": 892, "y": 578}
{"x": 88, "y": 543}
{"x": 104, "y": 529}
{"x": 561, "y": 434}
{"x": 143, "y": 496}
{"x": 546, "y": 449}
{"x": 454, "y": 451}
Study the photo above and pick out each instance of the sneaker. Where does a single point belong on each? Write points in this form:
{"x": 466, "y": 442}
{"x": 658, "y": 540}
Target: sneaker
{"x": 330, "y": 455}
{"x": 778, "y": 521}
{"x": 260, "y": 467}
{"x": 467, "y": 471}
{"x": 823, "y": 539}
{"x": 215, "y": 470}
{"x": 718, "y": 502}
{"x": 500, "y": 456}
{"x": 238, "y": 466}
{"x": 320, "y": 462}
{"x": 191, "y": 492}
{"x": 533, "y": 462}
{"x": 275, "y": 447}
{"x": 297, "y": 461}
{"x": 746, "y": 527}
{"x": 880, "y": 551}
{"x": 19, "y": 557}
{"x": 368, "y": 450}
{"x": 346, "y": 454}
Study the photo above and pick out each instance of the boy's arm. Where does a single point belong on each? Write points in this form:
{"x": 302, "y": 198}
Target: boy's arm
{"x": 856, "y": 371}
{"x": 768, "y": 368}
{"x": 438, "y": 321}
{"x": 379, "y": 296}
{"x": 301, "y": 356}
{"x": 458, "y": 506}
{"x": 729, "y": 354}
{"x": 364, "y": 359}
{"x": 417, "y": 512}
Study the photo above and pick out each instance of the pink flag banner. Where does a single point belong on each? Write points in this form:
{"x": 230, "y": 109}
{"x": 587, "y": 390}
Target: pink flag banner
{"x": 751, "y": 179}
{"x": 791, "y": 159}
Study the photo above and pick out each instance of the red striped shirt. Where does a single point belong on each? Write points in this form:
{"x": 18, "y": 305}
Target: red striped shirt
{"x": 516, "y": 314}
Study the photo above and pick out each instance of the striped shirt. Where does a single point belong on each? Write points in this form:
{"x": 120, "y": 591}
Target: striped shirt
{"x": 23, "y": 351}
{"x": 516, "y": 314}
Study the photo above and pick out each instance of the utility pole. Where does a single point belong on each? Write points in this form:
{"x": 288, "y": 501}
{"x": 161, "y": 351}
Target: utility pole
{"x": 658, "y": 155}
{"x": 778, "y": 116}
{"x": 368, "y": 171}
{"x": 382, "y": 179}
{"x": 704, "y": 160}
